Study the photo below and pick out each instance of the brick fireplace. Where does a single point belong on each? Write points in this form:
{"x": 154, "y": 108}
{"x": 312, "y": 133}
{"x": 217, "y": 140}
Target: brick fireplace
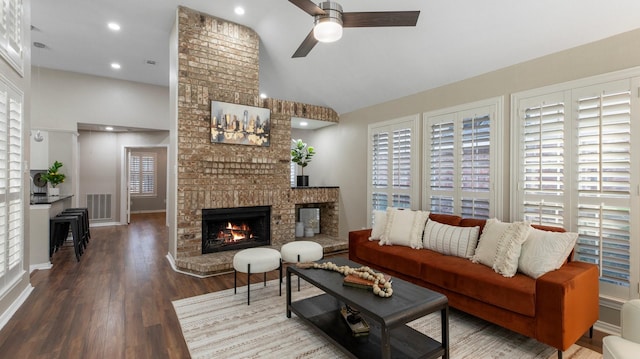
{"x": 218, "y": 61}
{"x": 225, "y": 229}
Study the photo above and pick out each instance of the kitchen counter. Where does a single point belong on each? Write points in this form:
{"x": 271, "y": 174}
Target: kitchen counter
{"x": 41, "y": 210}
{"x": 49, "y": 199}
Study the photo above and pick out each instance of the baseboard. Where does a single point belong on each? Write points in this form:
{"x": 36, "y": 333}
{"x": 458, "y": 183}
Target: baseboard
{"x": 607, "y": 328}
{"x": 149, "y": 211}
{"x": 105, "y": 224}
{"x": 42, "y": 266}
{"x": 13, "y": 308}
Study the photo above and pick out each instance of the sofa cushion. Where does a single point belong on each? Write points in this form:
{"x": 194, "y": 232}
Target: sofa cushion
{"x": 500, "y": 244}
{"x": 397, "y": 258}
{"x": 480, "y": 282}
{"x": 545, "y": 251}
{"x": 404, "y": 227}
{"x": 379, "y": 224}
{"x": 451, "y": 240}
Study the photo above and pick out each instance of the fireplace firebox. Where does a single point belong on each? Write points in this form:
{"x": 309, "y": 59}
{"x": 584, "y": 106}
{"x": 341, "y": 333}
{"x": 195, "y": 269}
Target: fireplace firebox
{"x": 226, "y": 229}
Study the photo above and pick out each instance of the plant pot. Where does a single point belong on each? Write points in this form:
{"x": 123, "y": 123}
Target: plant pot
{"x": 303, "y": 181}
{"x": 54, "y": 191}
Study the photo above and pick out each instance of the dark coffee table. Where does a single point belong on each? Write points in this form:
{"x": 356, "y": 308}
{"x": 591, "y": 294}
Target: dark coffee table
{"x": 389, "y": 335}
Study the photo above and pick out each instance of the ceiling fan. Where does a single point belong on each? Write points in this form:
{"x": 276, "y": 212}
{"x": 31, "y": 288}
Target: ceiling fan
{"x": 329, "y": 21}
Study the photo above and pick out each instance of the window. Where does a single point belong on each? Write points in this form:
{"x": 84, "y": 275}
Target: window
{"x": 392, "y": 164}
{"x": 142, "y": 174}
{"x": 11, "y": 33}
{"x": 574, "y": 161}
{"x": 11, "y": 198}
{"x": 461, "y": 157}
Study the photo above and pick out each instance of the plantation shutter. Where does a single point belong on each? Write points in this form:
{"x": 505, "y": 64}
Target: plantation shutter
{"x": 442, "y": 165}
{"x": 459, "y": 178}
{"x": 401, "y": 170}
{"x": 142, "y": 174}
{"x": 475, "y": 165}
{"x": 604, "y": 180}
{"x": 11, "y": 201}
{"x": 391, "y": 164}
{"x": 380, "y": 170}
{"x": 11, "y": 32}
{"x": 542, "y": 144}
{"x": 576, "y": 172}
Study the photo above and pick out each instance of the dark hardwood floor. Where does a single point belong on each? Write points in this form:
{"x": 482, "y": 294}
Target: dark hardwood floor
{"x": 115, "y": 303}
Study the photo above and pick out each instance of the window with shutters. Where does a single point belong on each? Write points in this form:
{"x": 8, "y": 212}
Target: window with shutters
{"x": 11, "y": 33}
{"x": 142, "y": 174}
{"x": 11, "y": 196}
{"x": 392, "y": 164}
{"x": 575, "y": 158}
{"x": 461, "y": 157}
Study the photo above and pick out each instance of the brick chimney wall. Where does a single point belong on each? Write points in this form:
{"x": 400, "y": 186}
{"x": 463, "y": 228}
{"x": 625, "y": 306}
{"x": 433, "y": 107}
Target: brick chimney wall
{"x": 218, "y": 61}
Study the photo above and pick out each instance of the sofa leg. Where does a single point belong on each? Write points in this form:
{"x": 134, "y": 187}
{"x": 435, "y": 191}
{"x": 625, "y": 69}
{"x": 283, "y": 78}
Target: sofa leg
{"x": 559, "y": 354}
{"x": 591, "y": 332}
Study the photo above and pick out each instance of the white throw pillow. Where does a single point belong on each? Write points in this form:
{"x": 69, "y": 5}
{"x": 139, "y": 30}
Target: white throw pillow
{"x": 544, "y": 251}
{"x": 500, "y": 244}
{"x": 450, "y": 240}
{"x": 404, "y": 227}
{"x": 379, "y": 224}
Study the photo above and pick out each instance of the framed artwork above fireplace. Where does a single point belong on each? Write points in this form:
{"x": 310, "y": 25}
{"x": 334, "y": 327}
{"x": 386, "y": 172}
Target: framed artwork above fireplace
{"x": 239, "y": 124}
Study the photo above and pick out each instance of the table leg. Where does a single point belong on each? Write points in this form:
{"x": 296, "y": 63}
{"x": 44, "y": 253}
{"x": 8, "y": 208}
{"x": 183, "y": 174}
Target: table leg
{"x": 444, "y": 316}
{"x": 385, "y": 343}
{"x": 288, "y": 294}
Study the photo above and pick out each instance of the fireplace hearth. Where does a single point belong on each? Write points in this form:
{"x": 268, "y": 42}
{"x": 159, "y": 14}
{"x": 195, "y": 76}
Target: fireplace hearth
{"x": 226, "y": 229}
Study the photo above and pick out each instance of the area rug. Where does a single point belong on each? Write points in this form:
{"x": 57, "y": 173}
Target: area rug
{"x": 221, "y": 325}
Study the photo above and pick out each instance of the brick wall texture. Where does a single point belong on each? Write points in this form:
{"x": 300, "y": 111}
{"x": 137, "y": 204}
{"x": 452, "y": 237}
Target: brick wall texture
{"x": 218, "y": 61}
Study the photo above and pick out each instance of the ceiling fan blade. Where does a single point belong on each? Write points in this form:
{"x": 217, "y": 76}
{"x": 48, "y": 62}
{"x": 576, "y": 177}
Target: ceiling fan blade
{"x": 308, "y": 6}
{"x": 306, "y": 46}
{"x": 383, "y": 18}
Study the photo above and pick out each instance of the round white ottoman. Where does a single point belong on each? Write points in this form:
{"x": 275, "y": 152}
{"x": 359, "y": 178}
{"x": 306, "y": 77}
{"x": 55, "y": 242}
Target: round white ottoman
{"x": 256, "y": 260}
{"x": 300, "y": 252}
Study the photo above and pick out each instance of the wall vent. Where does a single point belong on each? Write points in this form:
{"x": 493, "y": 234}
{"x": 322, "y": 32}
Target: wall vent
{"x": 99, "y": 206}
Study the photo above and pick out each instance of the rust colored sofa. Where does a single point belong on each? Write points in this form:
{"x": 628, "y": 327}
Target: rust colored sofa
{"x": 555, "y": 309}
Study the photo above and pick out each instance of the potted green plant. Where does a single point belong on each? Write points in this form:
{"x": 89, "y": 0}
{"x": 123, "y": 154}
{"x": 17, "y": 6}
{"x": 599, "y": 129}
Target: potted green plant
{"x": 54, "y": 178}
{"x": 301, "y": 154}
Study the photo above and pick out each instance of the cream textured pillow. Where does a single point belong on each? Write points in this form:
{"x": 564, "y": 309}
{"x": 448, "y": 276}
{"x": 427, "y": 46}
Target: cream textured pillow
{"x": 379, "y": 224}
{"x": 404, "y": 227}
{"x": 544, "y": 251}
{"x": 450, "y": 240}
{"x": 500, "y": 245}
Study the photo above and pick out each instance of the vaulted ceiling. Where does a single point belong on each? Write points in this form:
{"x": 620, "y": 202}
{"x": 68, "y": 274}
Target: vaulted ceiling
{"x": 453, "y": 40}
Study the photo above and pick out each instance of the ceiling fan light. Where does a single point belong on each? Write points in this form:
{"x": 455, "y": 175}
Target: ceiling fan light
{"x": 327, "y": 30}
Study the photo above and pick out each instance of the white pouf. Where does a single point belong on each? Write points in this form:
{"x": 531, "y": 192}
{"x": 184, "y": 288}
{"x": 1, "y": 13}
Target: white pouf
{"x": 256, "y": 260}
{"x": 301, "y": 251}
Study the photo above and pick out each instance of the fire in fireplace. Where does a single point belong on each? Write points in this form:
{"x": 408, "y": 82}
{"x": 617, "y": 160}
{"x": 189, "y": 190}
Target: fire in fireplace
{"x": 235, "y": 228}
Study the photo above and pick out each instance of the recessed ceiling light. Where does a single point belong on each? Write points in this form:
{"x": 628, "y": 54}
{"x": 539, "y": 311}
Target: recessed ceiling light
{"x": 263, "y": 95}
{"x": 113, "y": 26}
{"x": 108, "y": 128}
{"x": 304, "y": 123}
{"x": 239, "y": 10}
{"x": 115, "y": 66}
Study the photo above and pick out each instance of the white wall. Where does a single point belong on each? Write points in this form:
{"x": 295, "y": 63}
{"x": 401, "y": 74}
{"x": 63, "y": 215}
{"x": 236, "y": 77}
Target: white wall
{"x": 61, "y": 99}
{"x": 101, "y": 160}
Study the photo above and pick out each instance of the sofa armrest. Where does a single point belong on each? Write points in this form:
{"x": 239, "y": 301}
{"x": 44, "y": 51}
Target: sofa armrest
{"x": 567, "y": 303}
{"x": 356, "y": 237}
